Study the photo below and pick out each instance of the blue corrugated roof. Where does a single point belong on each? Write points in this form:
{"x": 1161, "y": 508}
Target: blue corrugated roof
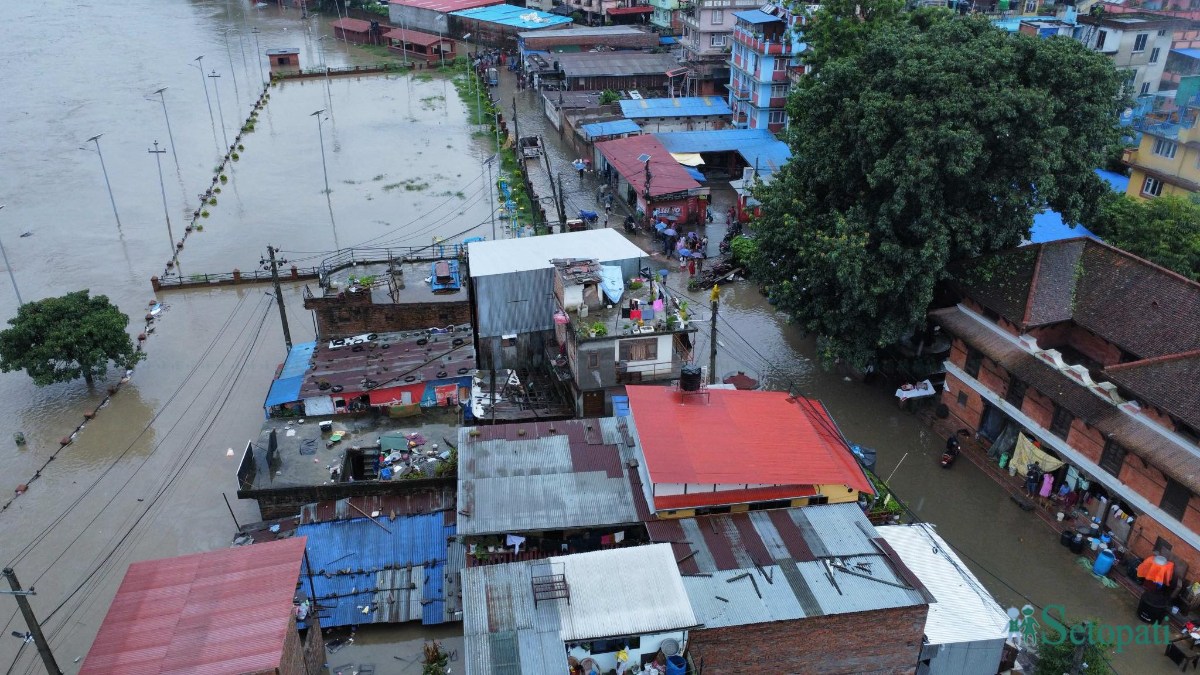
{"x": 598, "y": 129}
{"x": 667, "y": 41}
{"x": 349, "y": 557}
{"x": 695, "y": 173}
{"x": 510, "y": 15}
{"x": 1049, "y": 226}
{"x": 620, "y": 406}
{"x": 756, "y": 16}
{"x": 1188, "y": 52}
{"x": 298, "y": 359}
{"x": 675, "y": 107}
{"x": 284, "y": 390}
{"x": 1118, "y": 182}
{"x": 758, "y": 147}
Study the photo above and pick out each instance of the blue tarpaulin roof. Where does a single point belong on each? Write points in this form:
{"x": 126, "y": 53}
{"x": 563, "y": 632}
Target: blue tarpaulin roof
{"x": 1188, "y": 52}
{"x": 756, "y": 16}
{"x": 284, "y": 390}
{"x": 1118, "y": 182}
{"x": 756, "y": 146}
{"x": 510, "y": 15}
{"x": 599, "y": 129}
{"x": 378, "y": 559}
{"x": 298, "y": 359}
{"x": 688, "y": 106}
{"x": 695, "y": 173}
{"x": 1049, "y": 225}
{"x": 667, "y": 41}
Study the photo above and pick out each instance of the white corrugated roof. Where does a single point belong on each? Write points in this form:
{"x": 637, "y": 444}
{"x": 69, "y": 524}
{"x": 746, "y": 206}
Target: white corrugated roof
{"x": 964, "y": 611}
{"x": 623, "y": 591}
{"x": 504, "y": 256}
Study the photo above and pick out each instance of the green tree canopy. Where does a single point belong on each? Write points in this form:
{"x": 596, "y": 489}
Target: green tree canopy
{"x": 61, "y": 339}
{"x": 1165, "y": 230}
{"x": 932, "y": 142}
{"x": 840, "y": 28}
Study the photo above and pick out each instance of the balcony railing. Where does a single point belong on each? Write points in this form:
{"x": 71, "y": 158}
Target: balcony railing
{"x": 647, "y": 372}
{"x": 760, "y": 43}
{"x": 740, "y": 91}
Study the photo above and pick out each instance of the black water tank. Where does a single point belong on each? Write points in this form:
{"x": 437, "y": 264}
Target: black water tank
{"x": 1077, "y": 543}
{"x": 1154, "y": 606}
{"x": 689, "y": 377}
{"x": 1066, "y": 537}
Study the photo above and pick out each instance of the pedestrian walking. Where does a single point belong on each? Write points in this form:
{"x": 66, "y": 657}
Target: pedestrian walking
{"x": 606, "y": 221}
{"x": 691, "y": 267}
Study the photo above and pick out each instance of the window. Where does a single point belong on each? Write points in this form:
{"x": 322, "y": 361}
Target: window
{"x": 1162, "y": 33}
{"x": 780, "y": 64}
{"x": 644, "y": 349}
{"x": 974, "y": 361}
{"x": 962, "y": 399}
{"x": 1100, "y": 40}
{"x": 1030, "y": 6}
{"x": 1154, "y": 55}
{"x": 1015, "y": 395}
{"x": 779, "y": 90}
{"x": 777, "y": 117}
{"x": 1175, "y": 499}
{"x": 718, "y": 16}
{"x": 1151, "y": 187}
{"x": 1145, "y": 89}
{"x": 716, "y": 40}
{"x": 1113, "y": 457}
{"x": 1060, "y": 424}
{"x": 593, "y": 360}
{"x": 1165, "y": 148}
{"x": 1139, "y": 42}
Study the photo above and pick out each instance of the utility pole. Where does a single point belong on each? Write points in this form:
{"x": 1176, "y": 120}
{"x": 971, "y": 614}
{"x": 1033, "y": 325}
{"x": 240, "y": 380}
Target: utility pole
{"x": 170, "y": 136}
{"x": 217, "y": 89}
{"x": 258, "y": 54}
{"x": 35, "y": 629}
{"x": 321, "y": 138}
{"x": 562, "y": 208}
{"x": 96, "y": 139}
{"x": 712, "y": 348}
{"x": 12, "y": 277}
{"x": 287, "y": 334}
{"x": 491, "y": 186}
{"x": 237, "y": 95}
{"x": 204, "y": 83}
{"x": 162, "y": 186}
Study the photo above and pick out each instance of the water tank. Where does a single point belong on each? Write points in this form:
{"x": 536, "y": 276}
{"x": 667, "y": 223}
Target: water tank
{"x": 1154, "y": 606}
{"x": 1104, "y": 563}
{"x": 689, "y": 377}
{"x": 669, "y": 647}
{"x": 676, "y": 665}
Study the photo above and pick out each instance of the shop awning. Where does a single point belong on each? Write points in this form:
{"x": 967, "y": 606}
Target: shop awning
{"x": 688, "y": 158}
{"x": 622, "y": 11}
{"x": 284, "y": 390}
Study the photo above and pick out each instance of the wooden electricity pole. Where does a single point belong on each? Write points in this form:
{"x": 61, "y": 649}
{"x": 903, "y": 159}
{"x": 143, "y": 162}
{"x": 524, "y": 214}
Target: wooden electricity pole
{"x": 287, "y": 334}
{"x": 712, "y": 348}
{"x": 35, "y": 629}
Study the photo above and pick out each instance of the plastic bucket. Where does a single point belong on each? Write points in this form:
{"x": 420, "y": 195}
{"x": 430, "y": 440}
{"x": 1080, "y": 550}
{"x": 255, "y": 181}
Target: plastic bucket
{"x": 676, "y": 665}
{"x": 1104, "y": 563}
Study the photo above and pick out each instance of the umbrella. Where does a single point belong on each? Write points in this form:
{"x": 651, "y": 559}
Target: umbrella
{"x": 685, "y": 252}
{"x": 660, "y": 226}
{"x": 670, "y": 232}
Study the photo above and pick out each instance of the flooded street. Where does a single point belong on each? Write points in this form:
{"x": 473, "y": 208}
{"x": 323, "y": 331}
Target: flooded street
{"x": 144, "y": 479}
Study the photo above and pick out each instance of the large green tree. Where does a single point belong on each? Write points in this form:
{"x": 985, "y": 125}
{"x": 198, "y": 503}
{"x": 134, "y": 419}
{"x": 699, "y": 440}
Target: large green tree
{"x": 841, "y": 28}
{"x": 1165, "y": 231}
{"x": 61, "y": 339}
{"x": 934, "y": 141}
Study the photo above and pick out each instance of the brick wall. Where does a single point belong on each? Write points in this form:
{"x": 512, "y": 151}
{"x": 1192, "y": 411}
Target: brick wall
{"x": 349, "y": 315}
{"x": 882, "y": 641}
{"x": 291, "y": 662}
{"x": 286, "y": 502}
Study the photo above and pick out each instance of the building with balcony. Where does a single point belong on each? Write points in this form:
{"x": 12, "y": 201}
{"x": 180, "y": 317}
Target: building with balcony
{"x": 1136, "y": 42}
{"x": 765, "y": 50}
{"x": 1094, "y": 354}
{"x": 664, "y": 16}
{"x": 1167, "y": 159}
{"x": 707, "y": 43}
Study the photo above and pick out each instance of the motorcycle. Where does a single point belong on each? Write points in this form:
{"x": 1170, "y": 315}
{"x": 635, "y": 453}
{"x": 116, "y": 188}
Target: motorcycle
{"x": 951, "y": 453}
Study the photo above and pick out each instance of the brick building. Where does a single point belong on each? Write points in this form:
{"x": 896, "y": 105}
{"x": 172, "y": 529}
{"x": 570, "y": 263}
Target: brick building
{"x": 1095, "y": 353}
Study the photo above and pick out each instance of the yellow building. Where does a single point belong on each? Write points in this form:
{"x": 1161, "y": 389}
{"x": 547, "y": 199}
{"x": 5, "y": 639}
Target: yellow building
{"x": 1167, "y": 162}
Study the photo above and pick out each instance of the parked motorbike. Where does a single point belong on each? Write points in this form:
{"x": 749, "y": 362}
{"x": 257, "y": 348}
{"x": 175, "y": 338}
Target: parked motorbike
{"x": 951, "y": 453}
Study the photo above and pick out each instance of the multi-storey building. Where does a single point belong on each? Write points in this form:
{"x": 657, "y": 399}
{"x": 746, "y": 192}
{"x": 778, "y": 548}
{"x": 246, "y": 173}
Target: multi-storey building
{"x": 663, "y": 17}
{"x": 1167, "y": 161}
{"x": 1137, "y": 43}
{"x": 708, "y": 42}
{"x": 765, "y": 51}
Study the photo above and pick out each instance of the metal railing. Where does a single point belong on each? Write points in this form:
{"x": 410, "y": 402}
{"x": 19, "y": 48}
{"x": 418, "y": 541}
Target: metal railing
{"x": 225, "y": 278}
{"x": 365, "y": 256}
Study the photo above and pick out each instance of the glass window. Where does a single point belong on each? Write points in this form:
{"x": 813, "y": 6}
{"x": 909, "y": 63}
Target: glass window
{"x": 1163, "y": 147}
{"x": 1015, "y": 395}
{"x": 1145, "y": 89}
{"x": 1151, "y": 187}
{"x": 1113, "y": 457}
{"x": 1175, "y": 499}
{"x": 644, "y": 349}
{"x": 718, "y": 16}
{"x": 1060, "y": 424}
{"x": 974, "y": 361}
{"x": 777, "y": 117}
{"x": 1100, "y": 40}
{"x": 1154, "y": 53}
{"x": 717, "y": 40}
{"x": 1139, "y": 42}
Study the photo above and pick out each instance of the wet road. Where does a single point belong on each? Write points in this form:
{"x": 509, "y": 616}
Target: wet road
{"x": 143, "y": 480}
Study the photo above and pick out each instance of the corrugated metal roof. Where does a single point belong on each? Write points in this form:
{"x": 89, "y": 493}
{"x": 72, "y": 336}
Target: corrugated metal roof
{"x": 758, "y": 147}
{"x": 599, "y": 129}
{"x": 399, "y": 573}
{"x": 284, "y": 390}
{"x": 624, "y": 591}
{"x": 584, "y": 31}
{"x": 388, "y": 506}
{"x": 444, "y": 6}
{"x": 544, "y": 481}
{"x": 219, "y": 612}
{"x": 964, "y": 611}
{"x": 628, "y": 157}
{"x": 352, "y": 25}
{"x": 686, "y": 106}
{"x": 297, "y": 359}
{"x": 511, "y": 15}
{"x": 615, "y": 64}
{"x": 765, "y": 544}
{"x": 756, "y": 16}
{"x": 504, "y": 256}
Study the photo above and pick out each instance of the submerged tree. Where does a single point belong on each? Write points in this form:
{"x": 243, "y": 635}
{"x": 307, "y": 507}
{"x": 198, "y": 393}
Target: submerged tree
{"x": 936, "y": 140}
{"x": 61, "y": 339}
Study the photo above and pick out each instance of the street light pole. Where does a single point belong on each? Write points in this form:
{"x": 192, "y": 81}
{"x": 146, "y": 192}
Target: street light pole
{"x": 491, "y": 186}
{"x": 96, "y": 139}
{"x": 162, "y": 186}
{"x": 325, "y": 65}
{"x": 237, "y": 95}
{"x": 258, "y": 54}
{"x": 321, "y": 135}
{"x": 12, "y": 277}
{"x": 170, "y": 136}
{"x": 217, "y": 89}
{"x": 204, "y": 83}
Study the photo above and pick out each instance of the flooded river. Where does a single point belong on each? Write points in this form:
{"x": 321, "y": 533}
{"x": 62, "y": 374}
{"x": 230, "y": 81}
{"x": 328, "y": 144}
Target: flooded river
{"x": 403, "y": 167}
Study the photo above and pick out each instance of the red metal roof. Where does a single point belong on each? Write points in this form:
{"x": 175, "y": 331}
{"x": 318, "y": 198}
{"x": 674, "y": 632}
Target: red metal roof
{"x": 414, "y": 37}
{"x": 741, "y": 437}
{"x": 666, "y": 174}
{"x": 638, "y": 9}
{"x": 764, "y": 494}
{"x": 446, "y": 6}
{"x": 352, "y": 25}
{"x": 219, "y": 612}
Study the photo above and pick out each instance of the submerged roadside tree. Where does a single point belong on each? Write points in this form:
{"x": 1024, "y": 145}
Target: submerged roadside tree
{"x": 936, "y": 141}
{"x": 61, "y": 339}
